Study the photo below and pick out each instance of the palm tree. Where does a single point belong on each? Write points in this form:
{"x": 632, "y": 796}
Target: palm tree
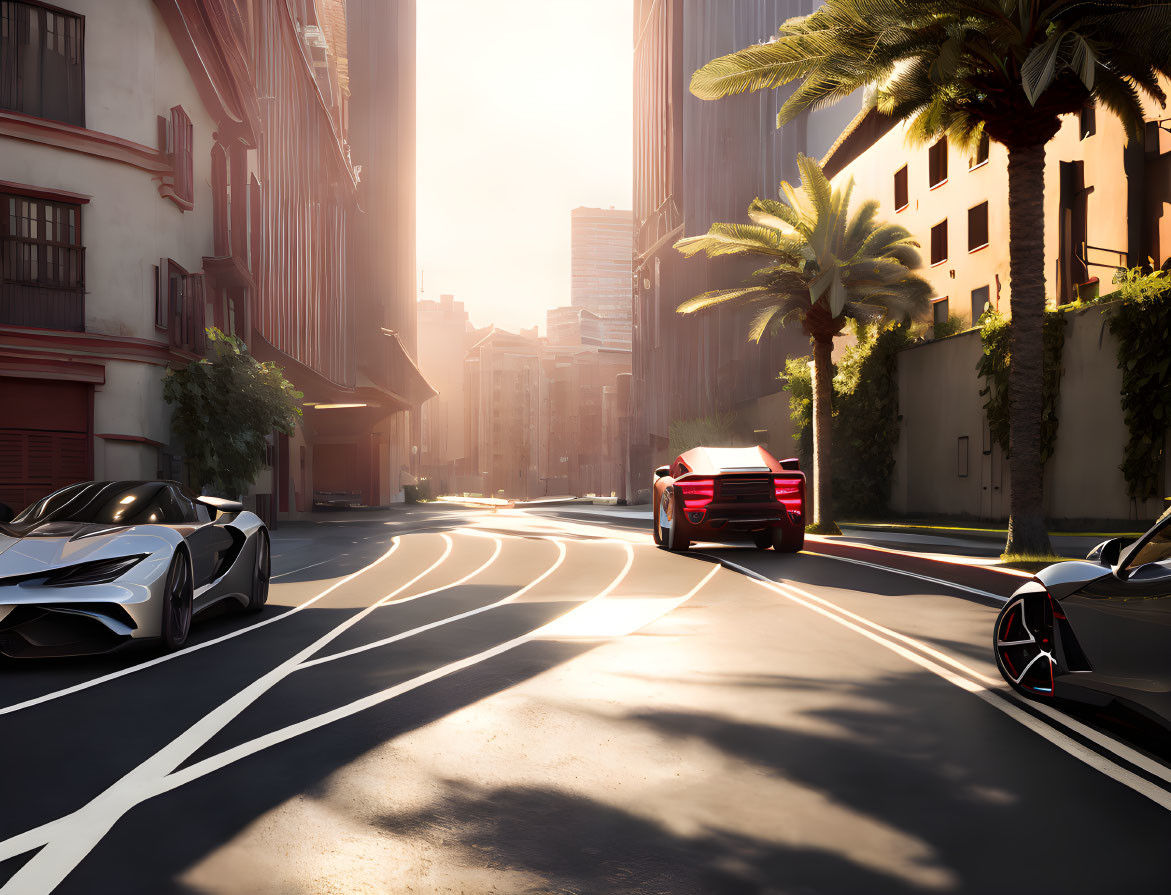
{"x": 1006, "y": 68}
{"x": 824, "y": 268}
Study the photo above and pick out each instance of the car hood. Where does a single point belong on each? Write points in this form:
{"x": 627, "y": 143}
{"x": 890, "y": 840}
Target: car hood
{"x": 1063, "y": 578}
{"x": 27, "y": 551}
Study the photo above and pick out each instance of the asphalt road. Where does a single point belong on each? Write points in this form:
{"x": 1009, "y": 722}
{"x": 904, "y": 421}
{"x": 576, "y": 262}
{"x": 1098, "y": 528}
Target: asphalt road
{"x": 522, "y": 702}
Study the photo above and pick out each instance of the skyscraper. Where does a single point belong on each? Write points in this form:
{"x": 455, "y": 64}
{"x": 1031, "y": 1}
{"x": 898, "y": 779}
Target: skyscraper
{"x": 602, "y": 250}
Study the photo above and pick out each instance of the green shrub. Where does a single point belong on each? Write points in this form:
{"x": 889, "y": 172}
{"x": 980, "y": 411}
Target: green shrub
{"x": 1142, "y": 323}
{"x": 865, "y": 418}
{"x": 223, "y": 408}
{"x": 949, "y": 327}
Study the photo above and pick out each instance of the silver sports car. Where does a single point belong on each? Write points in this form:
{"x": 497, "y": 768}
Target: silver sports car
{"x": 98, "y": 564}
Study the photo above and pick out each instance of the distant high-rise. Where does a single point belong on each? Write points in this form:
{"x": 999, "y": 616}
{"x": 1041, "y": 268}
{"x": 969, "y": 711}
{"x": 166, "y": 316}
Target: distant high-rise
{"x": 602, "y": 250}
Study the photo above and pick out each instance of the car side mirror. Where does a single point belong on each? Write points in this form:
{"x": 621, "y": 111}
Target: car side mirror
{"x": 1107, "y": 553}
{"x": 662, "y": 471}
{"x": 792, "y": 464}
{"x": 220, "y": 505}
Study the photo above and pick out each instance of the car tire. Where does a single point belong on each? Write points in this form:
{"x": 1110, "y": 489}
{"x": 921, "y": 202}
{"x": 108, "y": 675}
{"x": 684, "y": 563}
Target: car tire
{"x": 261, "y": 574}
{"x": 763, "y": 539}
{"x": 178, "y": 598}
{"x": 788, "y": 539}
{"x": 673, "y": 539}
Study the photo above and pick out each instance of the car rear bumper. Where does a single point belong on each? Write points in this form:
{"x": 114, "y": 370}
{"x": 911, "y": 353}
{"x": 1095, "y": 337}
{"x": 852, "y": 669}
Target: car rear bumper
{"x": 724, "y": 521}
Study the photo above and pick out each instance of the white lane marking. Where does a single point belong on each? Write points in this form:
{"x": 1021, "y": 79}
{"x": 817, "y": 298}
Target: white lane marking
{"x": 159, "y": 660}
{"x": 1089, "y": 757}
{"x": 454, "y": 618}
{"x": 918, "y": 644}
{"x": 244, "y": 750}
{"x": 303, "y": 568}
{"x": 939, "y": 581}
{"x": 69, "y": 839}
{"x": 607, "y": 619}
{"x": 1117, "y": 746}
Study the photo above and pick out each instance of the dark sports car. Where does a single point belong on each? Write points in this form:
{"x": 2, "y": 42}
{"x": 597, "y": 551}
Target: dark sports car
{"x": 98, "y": 564}
{"x": 729, "y": 494}
{"x": 1095, "y": 631}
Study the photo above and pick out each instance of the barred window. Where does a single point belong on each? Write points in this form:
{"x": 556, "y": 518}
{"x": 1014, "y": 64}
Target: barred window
{"x": 42, "y": 68}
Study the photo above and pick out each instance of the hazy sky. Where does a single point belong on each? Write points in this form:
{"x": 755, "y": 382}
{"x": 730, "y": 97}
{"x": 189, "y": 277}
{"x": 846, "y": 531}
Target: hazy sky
{"x": 525, "y": 112}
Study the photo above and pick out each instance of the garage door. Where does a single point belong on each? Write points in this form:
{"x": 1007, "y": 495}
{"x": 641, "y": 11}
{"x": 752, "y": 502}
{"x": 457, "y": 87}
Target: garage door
{"x": 44, "y": 438}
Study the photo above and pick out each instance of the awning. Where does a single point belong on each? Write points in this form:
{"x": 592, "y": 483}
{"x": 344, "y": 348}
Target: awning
{"x": 390, "y": 369}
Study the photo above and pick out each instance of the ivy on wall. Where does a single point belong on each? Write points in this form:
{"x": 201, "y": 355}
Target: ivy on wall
{"x": 1141, "y": 321}
{"x": 993, "y": 366}
{"x": 865, "y": 418}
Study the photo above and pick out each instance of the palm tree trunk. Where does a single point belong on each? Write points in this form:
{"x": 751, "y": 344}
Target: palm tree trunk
{"x": 1027, "y": 531}
{"x": 822, "y": 437}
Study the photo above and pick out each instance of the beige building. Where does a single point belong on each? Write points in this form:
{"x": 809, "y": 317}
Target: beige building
{"x": 1105, "y": 205}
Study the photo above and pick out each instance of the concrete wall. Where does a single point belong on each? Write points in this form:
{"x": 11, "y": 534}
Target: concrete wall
{"x": 940, "y": 403}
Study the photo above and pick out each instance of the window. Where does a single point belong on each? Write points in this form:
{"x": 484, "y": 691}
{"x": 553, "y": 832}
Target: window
{"x": 981, "y": 155}
{"x": 939, "y": 311}
{"x": 939, "y": 242}
{"x": 901, "y": 196}
{"x": 979, "y": 302}
{"x": 962, "y": 456}
{"x": 185, "y": 307}
{"x": 978, "y": 226}
{"x": 221, "y": 202}
{"x": 182, "y": 150}
{"x": 937, "y": 163}
{"x": 1087, "y": 121}
{"x": 41, "y": 62}
{"x": 42, "y": 263}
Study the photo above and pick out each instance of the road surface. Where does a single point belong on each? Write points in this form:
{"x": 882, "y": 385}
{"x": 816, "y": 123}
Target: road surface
{"x": 461, "y": 701}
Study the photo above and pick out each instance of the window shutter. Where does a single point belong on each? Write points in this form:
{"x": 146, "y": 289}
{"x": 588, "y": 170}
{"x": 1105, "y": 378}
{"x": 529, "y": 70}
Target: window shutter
{"x": 182, "y": 139}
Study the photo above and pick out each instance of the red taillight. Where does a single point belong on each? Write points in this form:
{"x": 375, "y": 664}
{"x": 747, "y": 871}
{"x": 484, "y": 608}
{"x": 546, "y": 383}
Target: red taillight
{"x": 696, "y": 492}
{"x": 789, "y": 493}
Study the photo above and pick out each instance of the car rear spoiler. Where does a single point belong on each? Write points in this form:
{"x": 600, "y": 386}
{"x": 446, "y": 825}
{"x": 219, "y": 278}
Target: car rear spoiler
{"x": 791, "y": 464}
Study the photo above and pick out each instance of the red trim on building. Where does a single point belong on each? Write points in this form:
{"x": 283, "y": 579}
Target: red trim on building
{"x": 80, "y": 139}
{"x": 30, "y": 366}
{"x": 90, "y": 345}
{"x": 40, "y": 192}
{"x": 137, "y": 439}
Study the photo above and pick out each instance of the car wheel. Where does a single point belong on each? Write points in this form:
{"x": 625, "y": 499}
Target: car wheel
{"x": 788, "y": 539}
{"x": 673, "y": 539}
{"x": 261, "y": 574}
{"x": 177, "y": 603}
{"x": 1023, "y": 644}
{"x": 763, "y": 539}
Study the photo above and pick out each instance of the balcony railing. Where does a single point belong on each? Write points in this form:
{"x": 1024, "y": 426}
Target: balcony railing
{"x": 45, "y": 293}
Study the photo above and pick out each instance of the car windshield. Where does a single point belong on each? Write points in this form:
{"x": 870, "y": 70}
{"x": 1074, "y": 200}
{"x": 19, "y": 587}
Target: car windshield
{"x": 1158, "y": 548}
{"x": 107, "y": 503}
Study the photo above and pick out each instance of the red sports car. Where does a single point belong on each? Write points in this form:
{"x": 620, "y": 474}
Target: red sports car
{"x": 726, "y": 494}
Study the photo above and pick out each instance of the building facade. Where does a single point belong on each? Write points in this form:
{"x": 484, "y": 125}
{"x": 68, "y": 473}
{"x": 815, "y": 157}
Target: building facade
{"x": 574, "y": 326}
{"x": 695, "y": 163}
{"x": 601, "y": 248}
{"x": 1106, "y": 205}
{"x": 174, "y": 164}
{"x": 445, "y": 337}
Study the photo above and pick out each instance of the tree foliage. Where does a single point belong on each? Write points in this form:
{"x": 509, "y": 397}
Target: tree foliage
{"x": 223, "y": 408}
{"x": 994, "y": 365}
{"x": 823, "y": 267}
{"x": 865, "y": 417}
{"x": 1141, "y": 321}
{"x": 962, "y": 67}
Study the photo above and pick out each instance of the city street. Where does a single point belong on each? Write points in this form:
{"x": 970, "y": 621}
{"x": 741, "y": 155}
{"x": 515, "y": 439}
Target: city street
{"x": 466, "y": 701}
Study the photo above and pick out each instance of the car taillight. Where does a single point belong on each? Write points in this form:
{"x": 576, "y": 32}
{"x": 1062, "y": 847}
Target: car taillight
{"x": 789, "y": 493}
{"x": 696, "y": 492}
